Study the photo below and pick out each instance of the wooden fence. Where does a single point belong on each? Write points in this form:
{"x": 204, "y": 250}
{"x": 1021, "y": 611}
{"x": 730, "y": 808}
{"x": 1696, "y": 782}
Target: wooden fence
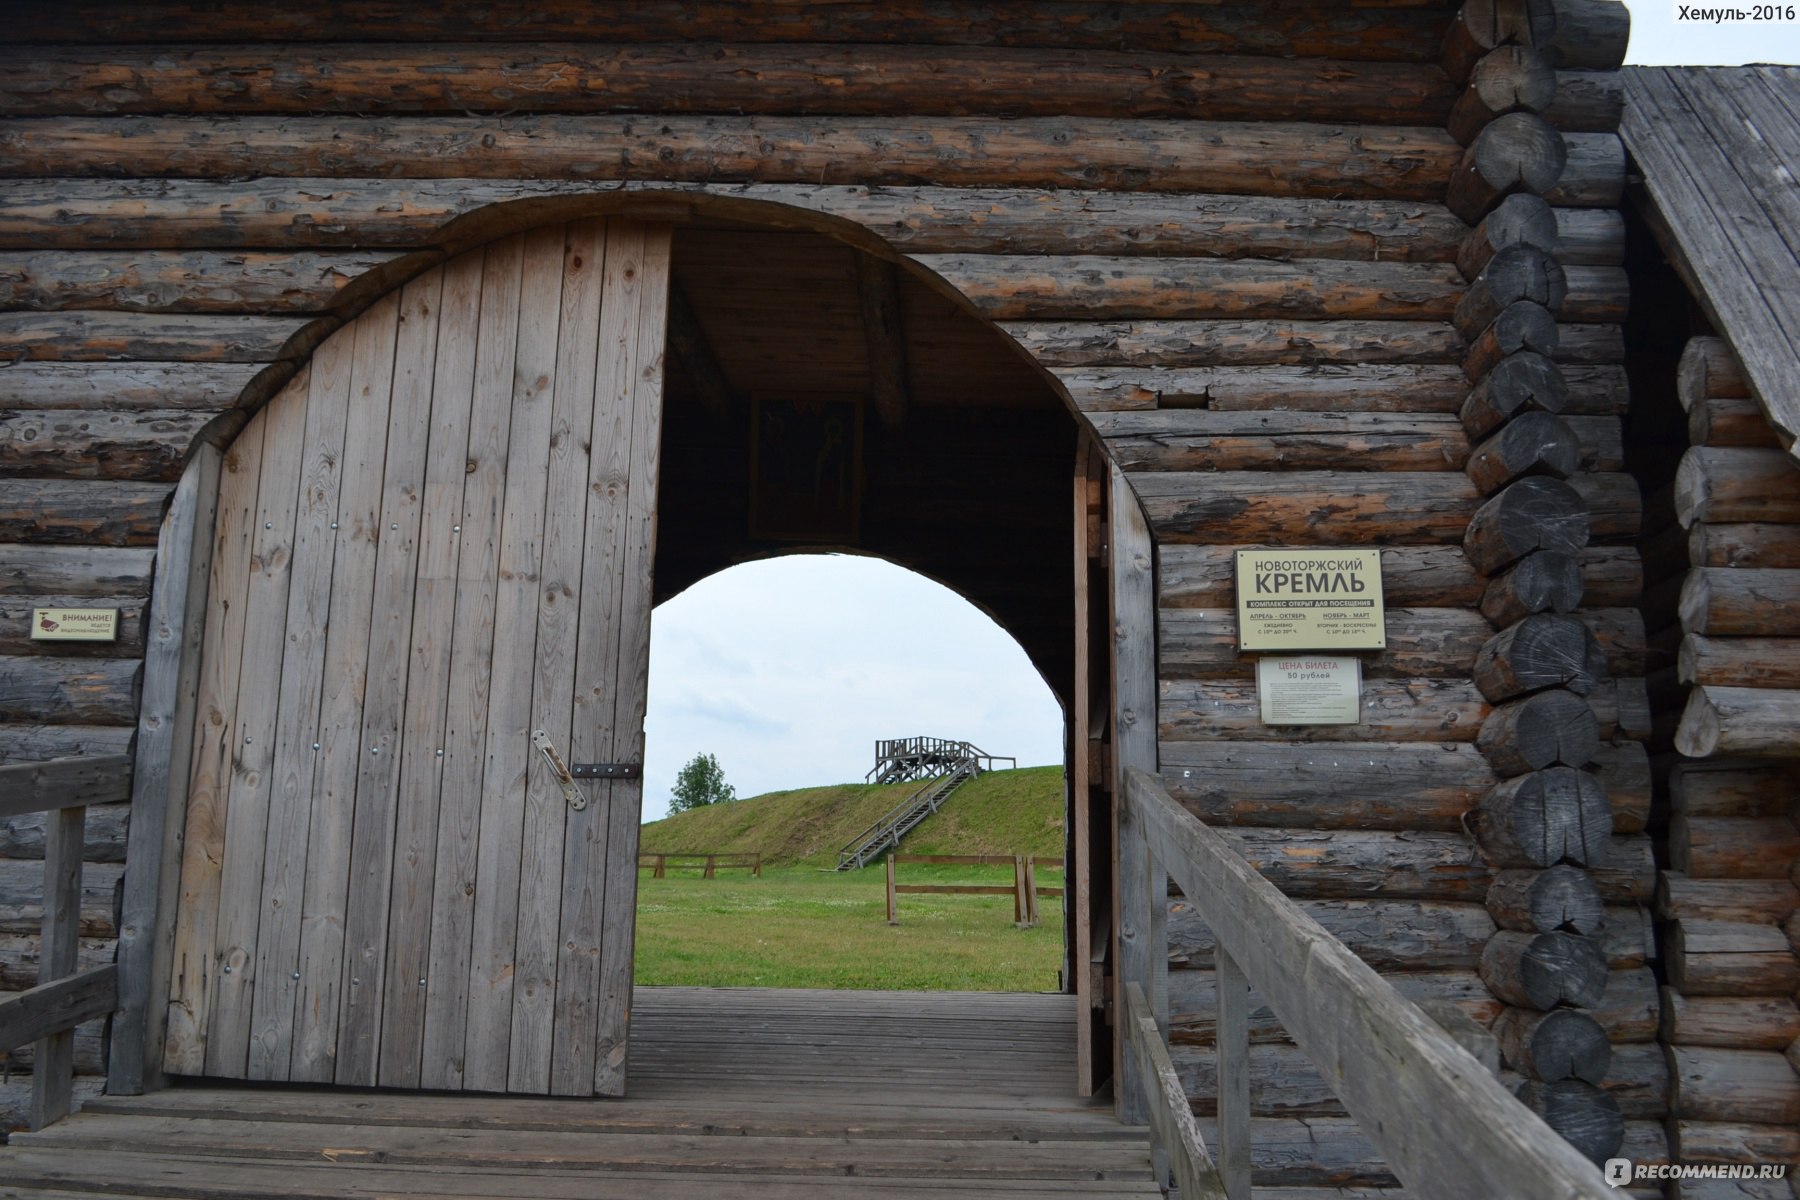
{"x": 1024, "y": 890}
{"x": 1440, "y": 1116}
{"x": 48, "y": 1014}
{"x": 710, "y": 864}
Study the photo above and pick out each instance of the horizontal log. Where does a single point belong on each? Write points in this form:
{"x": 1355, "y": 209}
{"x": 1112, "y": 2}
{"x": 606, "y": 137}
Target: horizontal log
{"x": 57, "y": 1006}
{"x": 1548, "y": 729}
{"x": 1518, "y": 152}
{"x": 1750, "y": 544}
{"x": 1519, "y": 383}
{"x": 1529, "y": 515}
{"x": 1754, "y": 662}
{"x": 1588, "y": 35}
{"x": 1389, "y": 935}
{"x": 1621, "y": 709}
{"x": 1766, "y": 901}
{"x": 1728, "y": 484}
{"x": 1373, "y": 786}
{"x": 1749, "y": 602}
{"x": 1722, "y": 1141}
{"x": 1638, "y": 1081}
{"x": 1542, "y": 901}
{"x": 1201, "y": 439}
{"x": 1380, "y": 32}
{"x": 1283, "y": 1082}
{"x": 75, "y": 571}
{"x": 1615, "y": 506}
{"x": 1172, "y": 343}
{"x": 1560, "y": 1044}
{"x": 1732, "y": 787}
{"x": 22, "y": 897}
{"x": 1546, "y": 817}
{"x": 103, "y": 834}
{"x": 1306, "y": 507}
{"x": 1594, "y": 175}
{"x": 1736, "y": 720}
{"x": 1709, "y": 370}
{"x": 19, "y": 954}
{"x": 1587, "y": 101}
{"x": 1628, "y": 1009}
{"x": 1713, "y": 1084}
{"x": 1602, "y": 443}
{"x": 1543, "y": 970}
{"x": 198, "y": 281}
{"x": 1506, "y": 79}
{"x": 208, "y": 387}
{"x": 1730, "y": 958}
{"x": 413, "y": 213}
{"x": 1029, "y": 287}
{"x": 69, "y": 691}
{"x": 1356, "y": 161}
{"x": 102, "y": 336}
{"x": 34, "y": 742}
{"x": 1413, "y": 710}
{"x": 1346, "y": 863}
{"x": 1330, "y": 387}
{"x": 1596, "y": 390}
{"x": 78, "y": 443}
{"x": 1590, "y": 344}
{"x": 1731, "y": 422}
{"x": 1193, "y": 1003}
{"x": 1190, "y": 576}
{"x": 1740, "y": 1023}
{"x": 16, "y": 626}
{"x": 1532, "y": 443}
{"x": 689, "y": 77}
{"x": 87, "y": 513}
{"x": 1544, "y": 581}
{"x": 1590, "y": 237}
{"x": 1201, "y": 643}
{"x": 1733, "y": 847}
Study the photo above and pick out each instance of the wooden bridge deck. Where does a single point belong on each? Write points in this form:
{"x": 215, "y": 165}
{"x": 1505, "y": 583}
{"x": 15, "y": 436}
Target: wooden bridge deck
{"x": 734, "y": 1094}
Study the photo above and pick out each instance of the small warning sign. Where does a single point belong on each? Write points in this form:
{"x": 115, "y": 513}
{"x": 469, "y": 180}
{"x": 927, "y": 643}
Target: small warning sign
{"x": 75, "y": 624}
{"x": 1310, "y": 600}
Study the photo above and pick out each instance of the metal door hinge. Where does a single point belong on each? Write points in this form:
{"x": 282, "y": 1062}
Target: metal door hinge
{"x": 606, "y": 770}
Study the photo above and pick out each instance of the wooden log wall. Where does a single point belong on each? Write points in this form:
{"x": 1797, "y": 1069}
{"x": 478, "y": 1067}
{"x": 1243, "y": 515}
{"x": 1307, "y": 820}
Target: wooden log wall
{"x": 1728, "y": 688}
{"x": 1319, "y": 273}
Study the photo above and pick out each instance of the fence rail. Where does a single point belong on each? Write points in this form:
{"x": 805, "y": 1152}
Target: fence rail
{"x": 1445, "y": 1124}
{"x": 710, "y": 864}
{"x": 1024, "y": 890}
{"x": 46, "y": 1015}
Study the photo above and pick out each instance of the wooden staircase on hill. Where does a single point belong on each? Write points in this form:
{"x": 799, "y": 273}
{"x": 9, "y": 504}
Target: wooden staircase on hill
{"x": 945, "y": 765}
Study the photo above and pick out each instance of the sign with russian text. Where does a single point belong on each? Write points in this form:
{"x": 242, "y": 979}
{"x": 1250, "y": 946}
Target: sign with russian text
{"x": 75, "y": 624}
{"x": 1309, "y": 689}
{"x": 1310, "y": 600}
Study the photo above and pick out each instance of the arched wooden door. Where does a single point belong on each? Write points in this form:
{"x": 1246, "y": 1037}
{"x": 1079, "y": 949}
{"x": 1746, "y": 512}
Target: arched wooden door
{"x": 437, "y": 540}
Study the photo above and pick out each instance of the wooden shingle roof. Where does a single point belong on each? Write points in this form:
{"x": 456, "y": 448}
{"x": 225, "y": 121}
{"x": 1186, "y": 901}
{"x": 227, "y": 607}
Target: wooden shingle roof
{"x": 1719, "y": 148}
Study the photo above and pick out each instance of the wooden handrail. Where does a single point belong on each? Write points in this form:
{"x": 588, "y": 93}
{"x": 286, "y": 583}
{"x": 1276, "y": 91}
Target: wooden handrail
{"x": 1446, "y": 1126}
{"x": 1172, "y": 1123}
{"x": 47, "y": 1015}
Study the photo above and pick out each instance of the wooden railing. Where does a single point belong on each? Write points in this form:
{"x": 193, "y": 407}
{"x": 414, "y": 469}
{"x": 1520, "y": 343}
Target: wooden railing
{"x": 1445, "y": 1124}
{"x": 1024, "y": 890}
{"x": 46, "y": 1016}
{"x": 709, "y": 864}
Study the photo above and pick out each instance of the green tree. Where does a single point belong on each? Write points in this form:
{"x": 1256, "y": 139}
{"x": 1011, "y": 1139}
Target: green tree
{"x": 700, "y": 783}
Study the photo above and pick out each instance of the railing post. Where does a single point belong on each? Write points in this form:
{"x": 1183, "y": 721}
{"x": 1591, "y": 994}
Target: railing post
{"x": 1031, "y": 893}
{"x": 1232, "y": 1037}
{"x": 53, "y": 1057}
{"x": 893, "y": 900}
{"x": 1021, "y": 906}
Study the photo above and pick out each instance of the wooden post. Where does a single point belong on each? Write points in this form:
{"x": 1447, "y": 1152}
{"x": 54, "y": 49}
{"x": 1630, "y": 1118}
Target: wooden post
{"x": 756, "y": 865}
{"x": 1133, "y": 605}
{"x": 1158, "y": 929}
{"x": 1031, "y": 892}
{"x": 893, "y": 900}
{"x": 1021, "y": 906}
{"x": 53, "y": 1057}
{"x": 1233, "y": 1036}
{"x": 708, "y": 872}
{"x": 660, "y": 867}
{"x": 160, "y": 778}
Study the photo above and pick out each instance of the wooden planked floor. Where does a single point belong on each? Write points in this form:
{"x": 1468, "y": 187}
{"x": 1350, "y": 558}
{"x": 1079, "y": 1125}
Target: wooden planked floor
{"x": 746, "y": 1094}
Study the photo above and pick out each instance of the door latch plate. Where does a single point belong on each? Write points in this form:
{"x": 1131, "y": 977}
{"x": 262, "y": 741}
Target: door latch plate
{"x": 606, "y": 770}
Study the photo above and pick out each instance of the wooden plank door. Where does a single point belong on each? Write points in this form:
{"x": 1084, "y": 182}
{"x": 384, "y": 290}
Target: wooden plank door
{"x": 435, "y": 542}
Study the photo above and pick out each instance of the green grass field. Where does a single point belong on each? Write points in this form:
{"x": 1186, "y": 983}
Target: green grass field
{"x": 803, "y": 925}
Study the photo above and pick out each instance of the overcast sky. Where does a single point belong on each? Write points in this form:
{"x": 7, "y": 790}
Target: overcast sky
{"x": 789, "y": 670}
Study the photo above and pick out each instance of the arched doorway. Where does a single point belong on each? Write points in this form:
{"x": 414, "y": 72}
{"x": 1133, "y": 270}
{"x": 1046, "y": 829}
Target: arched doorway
{"x": 413, "y": 796}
